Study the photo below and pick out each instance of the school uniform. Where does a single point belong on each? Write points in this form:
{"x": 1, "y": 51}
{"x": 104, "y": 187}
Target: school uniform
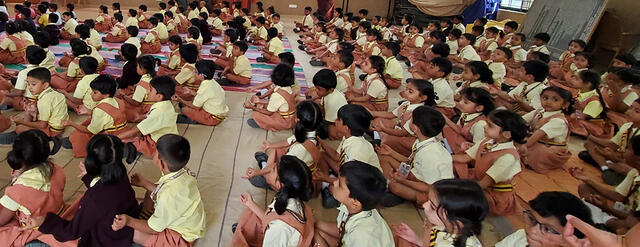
{"x": 21, "y": 84}
{"x": 129, "y": 77}
{"x": 151, "y": 43}
{"x": 357, "y": 148}
{"x": 626, "y": 188}
{"x": 499, "y": 71}
{"x": 49, "y": 60}
{"x": 204, "y": 10}
{"x": 211, "y": 98}
{"x": 588, "y": 104}
{"x": 140, "y": 93}
{"x": 468, "y": 53}
{"x": 282, "y": 104}
{"x": 550, "y": 152}
{"x": 186, "y": 79}
{"x": 516, "y": 239}
{"x": 179, "y": 222}
{"x": 366, "y": 228}
{"x": 194, "y": 13}
{"x": 52, "y": 109}
{"x": 472, "y": 131}
{"x": 499, "y": 161}
{"x": 373, "y": 46}
{"x": 118, "y": 33}
{"x": 331, "y": 103}
{"x": 519, "y": 54}
{"x": 307, "y": 21}
{"x": 27, "y": 37}
{"x": 103, "y": 23}
{"x": 276, "y": 46}
{"x": 136, "y": 42}
{"x": 12, "y": 49}
{"x": 43, "y": 20}
{"x": 386, "y": 33}
{"x": 172, "y": 27}
{"x": 163, "y": 33}
{"x": 261, "y": 33}
{"x": 460, "y": 27}
{"x": 143, "y": 21}
{"x": 623, "y": 136}
{"x": 530, "y": 92}
{"x": 74, "y": 74}
{"x": 69, "y": 29}
{"x": 444, "y": 102}
{"x": 279, "y": 27}
{"x": 431, "y": 162}
{"x": 393, "y": 72}
{"x": 438, "y": 237}
{"x": 217, "y": 25}
{"x": 542, "y": 48}
{"x": 487, "y": 45}
{"x": 160, "y": 121}
{"x": 83, "y": 91}
{"x": 31, "y": 194}
{"x": 173, "y": 63}
{"x": 242, "y": 66}
{"x": 107, "y": 117}
{"x": 402, "y": 120}
{"x": 182, "y": 23}
{"x": 173, "y": 9}
{"x": 453, "y": 46}
{"x": 375, "y": 87}
{"x": 628, "y": 97}
{"x": 131, "y": 21}
{"x": 475, "y": 84}
{"x": 94, "y": 40}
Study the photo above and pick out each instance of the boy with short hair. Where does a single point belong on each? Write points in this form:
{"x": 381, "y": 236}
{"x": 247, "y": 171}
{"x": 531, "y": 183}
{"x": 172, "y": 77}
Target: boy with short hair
{"x": 496, "y": 64}
{"x": 160, "y": 121}
{"x": 173, "y": 222}
{"x": 132, "y": 20}
{"x": 53, "y": 30}
{"x": 53, "y": 10}
{"x": 239, "y": 71}
{"x": 457, "y": 23}
{"x": 343, "y": 65}
{"x": 215, "y": 23}
{"x": 519, "y": 54}
{"x": 509, "y": 30}
{"x": 118, "y": 32}
{"x": 526, "y": 96}
{"x": 438, "y": 70}
{"x": 172, "y": 66}
{"x": 467, "y": 52}
{"x": 68, "y": 32}
{"x": 208, "y": 106}
{"x": 259, "y": 34}
{"x": 151, "y": 43}
{"x": 307, "y": 21}
{"x": 330, "y": 99}
{"x": 358, "y": 189}
{"x": 19, "y": 97}
{"x": 42, "y": 40}
{"x": 489, "y": 44}
{"x": 81, "y": 101}
{"x": 393, "y": 72}
{"x": 540, "y": 41}
{"x": 187, "y": 82}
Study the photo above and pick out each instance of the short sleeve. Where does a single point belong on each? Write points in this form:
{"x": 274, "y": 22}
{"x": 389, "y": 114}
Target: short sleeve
{"x": 201, "y": 96}
{"x": 625, "y": 186}
{"x": 72, "y": 70}
{"x": 139, "y": 94}
{"x": 477, "y": 131}
{"x": 377, "y": 89}
{"x": 473, "y": 150}
{"x": 419, "y": 41}
{"x": 504, "y": 168}
{"x": 9, "y": 203}
{"x": 161, "y": 218}
{"x": 275, "y": 102}
{"x": 44, "y": 110}
{"x": 630, "y": 98}
{"x": 149, "y": 124}
{"x": 99, "y": 121}
{"x": 149, "y": 38}
{"x": 183, "y": 76}
{"x": 555, "y": 128}
{"x": 593, "y": 109}
{"x": 81, "y": 90}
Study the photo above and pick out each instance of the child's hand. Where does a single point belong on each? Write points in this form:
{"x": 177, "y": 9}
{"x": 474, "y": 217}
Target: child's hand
{"x": 246, "y": 199}
{"x": 138, "y": 180}
{"x": 248, "y": 105}
{"x": 405, "y": 232}
{"x": 175, "y": 97}
{"x": 578, "y": 173}
{"x": 383, "y": 149}
{"x": 119, "y": 222}
{"x": 17, "y": 119}
{"x": 32, "y": 222}
{"x": 596, "y": 200}
{"x": 83, "y": 169}
{"x": 251, "y": 172}
{"x": 265, "y": 145}
{"x": 66, "y": 122}
{"x": 397, "y": 177}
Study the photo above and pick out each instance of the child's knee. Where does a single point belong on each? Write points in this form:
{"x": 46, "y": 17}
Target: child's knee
{"x": 584, "y": 190}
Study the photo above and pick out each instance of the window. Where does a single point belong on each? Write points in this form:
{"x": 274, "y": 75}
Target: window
{"x": 517, "y": 5}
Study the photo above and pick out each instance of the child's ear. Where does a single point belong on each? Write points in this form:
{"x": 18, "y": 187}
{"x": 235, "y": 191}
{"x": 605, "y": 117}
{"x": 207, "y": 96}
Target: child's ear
{"x": 506, "y": 134}
{"x": 479, "y": 108}
{"x": 355, "y": 204}
{"x": 423, "y": 98}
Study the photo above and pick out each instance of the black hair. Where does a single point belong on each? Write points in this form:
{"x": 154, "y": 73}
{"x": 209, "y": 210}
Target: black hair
{"x": 35, "y": 55}
{"x": 459, "y": 17}
{"x": 416, "y": 25}
{"x": 104, "y": 9}
{"x": 544, "y": 37}
{"x": 204, "y": 15}
{"x": 580, "y": 42}
{"x": 189, "y": 52}
{"x": 41, "y": 74}
{"x": 171, "y": 2}
{"x": 12, "y": 28}
{"x": 340, "y": 33}
{"x": 429, "y": 120}
{"x": 245, "y": 11}
{"x": 88, "y": 64}
{"x": 143, "y": 7}
{"x": 510, "y": 121}
{"x": 456, "y": 33}
{"x": 272, "y": 33}
{"x": 590, "y": 76}
{"x": 346, "y": 46}
{"x": 565, "y": 95}
{"x": 287, "y": 58}
{"x": 348, "y": 15}
{"x": 169, "y": 14}
{"x": 42, "y": 8}
{"x": 116, "y": 5}
{"x": 627, "y": 58}
{"x": 26, "y": 12}
{"x": 346, "y": 58}
{"x": 275, "y": 15}
{"x": 425, "y": 88}
{"x": 439, "y": 35}
{"x": 206, "y": 68}
{"x": 374, "y": 32}
{"x": 31, "y": 150}
{"x": 4, "y": 17}
{"x": 628, "y": 76}
{"x": 441, "y": 49}
{"x": 163, "y": 85}
{"x": 558, "y": 204}
{"x": 394, "y": 47}
{"x": 363, "y": 11}
{"x": 470, "y": 37}
{"x": 148, "y": 64}
{"x": 354, "y": 18}
{"x": 586, "y": 56}
{"x": 83, "y": 30}
{"x": 105, "y": 84}
{"x": 378, "y": 63}
{"x": 308, "y": 8}
{"x": 181, "y": 9}
{"x": 53, "y": 6}
{"x": 522, "y": 36}
{"x": 483, "y": 21}
{"x": 480, "y": 97}
{"x": 493, "y": 30}
{"x": 326, "y": 79}
{"x": 194, "y": 32}
{"x": 153, "y": 20}
{"x": 461, "y": 201}
{"x": 512, "y": 24}
{"x": 160, "y": 17}
{"x": 90, "y": 23}
{"x": 242, "y": 45}
{"x": 175, "y": 39}
{"x": 538, "y": 69}
{"x": 310, "y": 118}
{"x": 478, "y": 29}
{"x": 133, "y": 12}
{"x": 537, "y": 55}
{"x": 133, "y": 31}
{"x": 507, "y": 52}
{"x": 482, "y": 69}
{"x": 356, "y": 117}
{"x": 261, "y": 20}
{"x": 216, "y": 11}
{"x": 173, "y": 149}
{"x": 435, "y": 23}
{"x": 365, "y": 182}
{"x": 283, "y": 75}
{"x": 79, "y": 47}
{"x": 162, "y": 5}
{"x": 408, "y": 18}
{"x": 42, "y": 39}
{"x": 231, "y": 33}
{"x": 443, "y": 64}
{"x": 117, "y": 16}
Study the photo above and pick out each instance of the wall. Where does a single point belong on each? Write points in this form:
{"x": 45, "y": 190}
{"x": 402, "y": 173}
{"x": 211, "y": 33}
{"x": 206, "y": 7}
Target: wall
{"x": 375, "y": 7}
{"x": 513, "y": 15}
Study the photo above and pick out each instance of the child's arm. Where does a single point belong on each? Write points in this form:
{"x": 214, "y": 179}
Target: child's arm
{"x": 70, "y": 97}
{"x": 129, "y": 100}
{"x": 384, "y": 149}
{"x": 328, "y": 227}
{"x": 247, "y": 200}
{"x": 329, "y": 152}
{"x": 535, "y": 137}
{"x": 186, "y": 103}
{"x": 394, "y": 131}
{"x": 6, "y": 216}
{"x": 130, "y": 133}
{"x": 415, "y": 185}
{"x": 607, "y": 143}
{"x": 461, "y": 158}
{"x": 15, "y": 93}
{"x": 364, "y": 98}
{"x": 76, "y": 126}
{"x": 30, "y": 122}
{"x": 382, "y": 114}
{"x": 455, "y": 127}
{"x": 258, "y": 109}
{"x": 523, "y": 105}
{"x": 122, "y": 220}
{"x": 579, "y": 174}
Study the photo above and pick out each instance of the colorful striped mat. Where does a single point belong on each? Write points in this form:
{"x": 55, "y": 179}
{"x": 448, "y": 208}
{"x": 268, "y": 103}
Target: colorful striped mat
{"x": 261, "y": 71}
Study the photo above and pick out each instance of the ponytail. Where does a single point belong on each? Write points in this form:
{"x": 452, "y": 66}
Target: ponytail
{"x": 310, "y": 118}
{"x": 282, "y": 197}
{"x": 296, "y": 180}
{"x": 378, "y": 64}
{"x": 148, "y": 63}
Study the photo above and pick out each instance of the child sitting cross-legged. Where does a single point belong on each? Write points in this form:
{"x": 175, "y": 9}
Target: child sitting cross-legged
{"x": 19, "y": 97}
{"x": 139, "y": 104}
{"x": 172, "y": 67}
{"x": 81, "y": 99}
{"x": 325, "y": 94}
{"x": 160, "y": 121}
{"x": 273, "y": 49}
{"x": 475, "y": 104}
{"x": 187, "y": 79}
{"x": 373, "y": 94}
{"x": 108, "y": 116}
{"x": 239, "y": 70}
{"x": 173, "y": 222}
{"x": 118, "y": 32}
{"x": 208, "y": 106}
{"x": 410, "y": 177}
{"x": 151, "y": 43}
{"x": 278, "y": 113}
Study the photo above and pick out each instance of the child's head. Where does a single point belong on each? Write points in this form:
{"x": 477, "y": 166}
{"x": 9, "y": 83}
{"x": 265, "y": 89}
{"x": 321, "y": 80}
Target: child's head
{"x": 336, "y": 34}
{"x": 477, "y": 30}
{"x": 142, "y": 8}
{"x": 239, "y": 48}
{"x": 42, "y": 8}
{"x": 518, "y": 39}
{"x": 587, "y": 80}
{"x": 325, "y": 82}
{"x": 38, "y": 80}
{"x": 364, "y": 26}
{"x": 454, "y": 34}
{"x": 173, "y": 153}
{"x": 189, "y": 52}
{"x": 282, "y": 75}
{"x": 272, "y": 32}
{"x": 260, "y": 21}
{"x": 90, "y": 23}
{"x": 407, "y": 19}
{"x": 42, "y": 39}
{"x": 355, "y": 118}
{"x": 501, "y": 54}
{"x": 457, "y": 205}
{"x": 510, "y": 27}
{"x": 310, "y": 118}
{"x": 171, "y": 3}
{"x": 624, "y": 61}
{"x": 104, "y": 86}
{"x": 477, "y": 71}
{"x": 390, "y": 49}
{"x": 230, "y": 35}
{"x": 31, "y": 150}
{"x": 535, "y": 71}
{"x": 583, "y": 60}
{"x": 287, "y": 58}
{"x": 154, "y": 21}
{"x": 35, "y": 55}
{"x": 163, "y": 88}
{"x": 577, "y": 45}
{"x": 206, "y": 68}
{"x": 491, "y": 32}
{"x": 133, "y": 31}
{"x": 160, "y": 17}
{"x": 505, "y": 125}
{"x": 546, "y": 220}
{"x": 168, "y": 15}
{"x": 133, "y": 12}
{"x": 446, "y": 23}
{"x": 419, "y": 91}
{"x": 373, "y": 65}
{"x": 541, "y": 39}
{"x": 79, "y": 47}
{"x": 53, "y": 18}
{"x": 103, "y": 9}
{"x": 4, "y": 17}
{"x": 433, "y": 26}
{"x": 466, "y": 39}
{"x": 633, "y": 114}
{"x": 538, "y": 55}
{"x": 555, "y": 98}
{"x": 114, "y": 6}
{"x": 175, "y": 41}
{"x": 83, "y": 31}
{"x": 439, "y": 67}
{"x": 457, "y": 19}
{"x": 346, "y": 47}
{"x": 376, "y": 20}
{"x": 436, "y": 37}
{"x": 373, "y": 35}
{"x": 475, "y": 100}
{"x": 480, "y": 22}
{"x": 204, "y": 16}
{"x": 307, "y": 10}
{"x": 275, "y": 18}
{"x": 88, "y": 65}
{"x": 146, "y": 65}
{"x": 426, "y": 122}
{"x": 362, "y": 13}
{"x": 216, "y": 12}
{"x": 162, "y": 5}
{"x": 359, "y": 186}
{"x": 293, "y": 182}
{"x": 66, "y": 16}
{"x": 346, "y": 59}
{"x": 624, "y": 77}
{"x": 384, "y": 22}
{"x": 193, "y": 32}
{"x": 415, "y": 28}
{"x": 244, "y": 12}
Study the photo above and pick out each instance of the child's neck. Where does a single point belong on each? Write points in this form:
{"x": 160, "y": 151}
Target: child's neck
{"x": 501, "y": 140}
{"x": 585, "y": 89}
{"x": 422, "y": 137}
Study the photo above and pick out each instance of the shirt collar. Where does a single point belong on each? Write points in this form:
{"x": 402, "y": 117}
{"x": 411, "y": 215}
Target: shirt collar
{"x": 476, "y": 84}
{"x": 168, "y": 176}
{"x": 549, "y": 114}
{"x": 162, "y": 104}
{"x": 470, "y": 116}
{"x": 585, "y": 95}
{"x": 94, "y": 181}
{"x": 500, "y": 146}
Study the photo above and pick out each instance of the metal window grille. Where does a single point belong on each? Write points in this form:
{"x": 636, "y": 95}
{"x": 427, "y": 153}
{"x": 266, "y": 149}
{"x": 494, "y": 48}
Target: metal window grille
{"x": 517, "y": 5}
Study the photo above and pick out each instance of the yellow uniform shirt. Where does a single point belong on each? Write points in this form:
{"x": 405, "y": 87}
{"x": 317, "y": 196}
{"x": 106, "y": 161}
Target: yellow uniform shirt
{"x": 21, "y": 80}
{"x": 43, "y": 20}
{"x": 160, "y": 121}
{"x": 331, "y": 104}
{"x": 186, "y": 75}
{"x": 342, "y": 85}
{"x": 299, "y": 151}
{"x": 171, "y": 25}
{"x": 211, "y": 98}
{"x": 432, "y": 161}
{"x": 505, "y": 167}
{"x": 625, "y": 189}
{"x": 555, "y": 129}
{"x": 468, "y": 53}
{"x": 247, "y": 22}
{"x": 519, "y": 54}
{"x": 204, "y": 9}
{"x": 99, "y": 18}
{"x": 393, "y": 68}
{"x": 593, "y": 108}
{"x": 70, "y": 26}
{"x": 542, "y": 48}
{"x": 83, "y": 91}
{"x": 531, "y": 93}
{"x": 358, "y": 148}
{"x": 7, "y": 44}
{"x": 49, "y": 61}
{"x": 163, "y": 33}
{"x": 32, "y": 178}
{"x": 52, "y": 108}
{"x": 261, "y": 33}
{"x": 453, "y": 46}
{"x": 477, "y": 130}
{"x": 375, "y": 50}
{"x": 366, "y": 228}
{"x": 141, "y": 16}
{"x": 193, "y": 14}
{"x": 74, "y": 69}
{"x": 94, "y": 39}
{"x": 376, "y": 88}
{"x": 117, "y": 29}
{"x": 445, "y": 93}
{"x": 179, "y": 206}
{"x": 27, "y": 37}
{"x": 278, "y": 232}
{"x": 100, "y": 120}
{"x": 499, "y": 71}
{"x": 134, "y": 41}
{"x": 332, "y": 45}
{"x": 150, "y": 38}
{"x": 95, "y": 54}
{"x": 516, "y": 239}
{"x": 174, "y": 60}
{"x": 140, "y": 94}
{"x": 278, "y": 26}
{"x": 131, "y": 21}
{"x": 242, "y": 66}
{"x": 276, "y": 46}
{"x": 406, "y": 106}
{"x": 307, "y": 21}
{"x": 277, "y": 103}
{"x": 173, "y": 9}
{"x": 624, "y": 134}
{"x": 479, "y": 40}
{"x": 216, "y": 23}
{"x": 631, "y": 97}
